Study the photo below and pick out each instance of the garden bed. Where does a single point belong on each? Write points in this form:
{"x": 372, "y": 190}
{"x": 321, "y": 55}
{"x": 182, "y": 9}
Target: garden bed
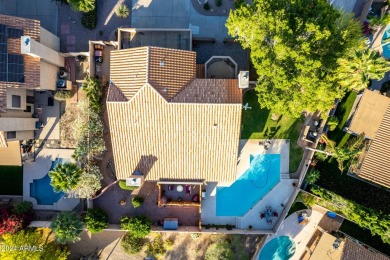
{"x": 257, "y": 123}
{"x": 365, "y": 236}
{"x": 11, "y": 180}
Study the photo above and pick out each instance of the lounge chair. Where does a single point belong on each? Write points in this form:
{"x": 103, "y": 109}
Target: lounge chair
{"x": 262, "y": 215}
{"x": 276, "y": 214}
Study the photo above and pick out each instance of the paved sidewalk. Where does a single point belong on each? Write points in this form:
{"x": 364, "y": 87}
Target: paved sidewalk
{"x": 44, "y": 10}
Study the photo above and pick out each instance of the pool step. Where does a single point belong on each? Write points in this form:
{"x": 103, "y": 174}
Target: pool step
{"x": 285, "y": 176}
{"x": 238, "y": 222}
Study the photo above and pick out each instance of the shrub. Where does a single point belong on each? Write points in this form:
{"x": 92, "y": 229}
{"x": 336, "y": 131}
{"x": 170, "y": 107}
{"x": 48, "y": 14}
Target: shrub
{"x": 62, "y": 95}
{"x": 22, "y": 207}
{"x": 195, "y": 236}
{"x": 89, "y": 19}
{"x": 9, "y": 223}
{"x": 139, "y": 226}
{"x": 219, "y": 250}
{"x": 96, "y": 220}
{"x": 123, "y": 11}
{"x": 137, "y": 201}
{"x": 312, "y": 176}
{"x": 82, "y": 5}
{"x": 123, "y": 186}
{"x": 333, "y": 122}
{"x": 238, "y": 3}
{"x": 67, "y": 227}
{"x": 89, "y": 183}
{"x": 218, "y": 3}
{"x": 206, "y": 6}
{"x": 158, "y": 247}
{"x": 132, "y": 244}
{"x": 94, "y": 92}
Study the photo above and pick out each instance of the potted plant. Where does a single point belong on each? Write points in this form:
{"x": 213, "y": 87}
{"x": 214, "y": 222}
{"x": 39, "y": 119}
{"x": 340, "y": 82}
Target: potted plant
{"x": 250, "y": 227}
{"x": 122, "y": 202}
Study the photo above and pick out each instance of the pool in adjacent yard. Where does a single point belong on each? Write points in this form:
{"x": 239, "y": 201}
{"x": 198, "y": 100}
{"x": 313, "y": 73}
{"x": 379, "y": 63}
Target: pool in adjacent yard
{"x": 261, "y": 177}
{"x": 42, "y": 191}
{"x": 386, "y": 47}
{"x": 279, "y": 248}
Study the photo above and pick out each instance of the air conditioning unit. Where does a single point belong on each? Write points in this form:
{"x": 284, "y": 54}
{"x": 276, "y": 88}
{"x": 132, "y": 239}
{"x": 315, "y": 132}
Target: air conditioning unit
{"x": 243, "y": 79}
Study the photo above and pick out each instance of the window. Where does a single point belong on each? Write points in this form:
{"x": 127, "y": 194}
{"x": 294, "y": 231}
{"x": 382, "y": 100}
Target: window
{"x": 16, "y": 101}
{"x": 11, "y": 135}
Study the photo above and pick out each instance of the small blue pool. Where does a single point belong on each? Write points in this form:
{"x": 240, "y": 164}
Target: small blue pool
{"x": 42, "y": 191}
{"x": 279, "y": 248}
{"x": 262, "y": 175}
{"x": 386, "y": 47}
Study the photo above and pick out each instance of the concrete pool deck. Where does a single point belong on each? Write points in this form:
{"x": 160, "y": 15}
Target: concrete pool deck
{"x": 300, "y": 234}
{"x": 280, "y": 194}
{"x": 39, "y": 169}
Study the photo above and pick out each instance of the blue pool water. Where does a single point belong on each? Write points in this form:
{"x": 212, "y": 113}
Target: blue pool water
{"x": 42, "y": 191}
{"x": 262, "y": 175}
{"x": 279, "y": 248}
{"x": 386, "y": 47}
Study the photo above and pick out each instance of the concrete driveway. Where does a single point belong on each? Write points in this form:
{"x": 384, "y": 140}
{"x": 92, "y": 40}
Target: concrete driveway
{"x": 176, "y": 14}
{"x": 45, "y": 11}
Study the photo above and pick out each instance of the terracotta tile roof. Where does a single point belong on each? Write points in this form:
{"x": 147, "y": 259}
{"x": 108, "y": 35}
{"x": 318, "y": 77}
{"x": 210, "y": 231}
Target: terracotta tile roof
{"x": 376, "y": 165}
{"x": 369, "y": 114}
{"x": 115, "y": 94}
{"x": 3, "y": 140}
{"x": 200, "y": 71}
{"x": 168, "y": 70}
{"x": 166, "y": 140}
{"x": 210, "y": 91}
{"x": 354, "y": 251}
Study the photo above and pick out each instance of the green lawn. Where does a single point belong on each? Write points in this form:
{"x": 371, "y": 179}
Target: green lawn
{"x": 365, "y": 236}
{"x": 342, "y": 113}
{"x": 296, "y": 206}
{"x": 257, "y": 124}
{"x": 11, "y": 180}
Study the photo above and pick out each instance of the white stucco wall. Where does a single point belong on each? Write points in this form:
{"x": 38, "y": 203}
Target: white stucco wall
{"x": 19, "y": 92}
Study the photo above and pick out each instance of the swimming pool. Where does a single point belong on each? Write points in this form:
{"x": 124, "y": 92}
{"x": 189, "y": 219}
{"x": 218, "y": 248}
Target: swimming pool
{"x": 279, "y": 248}
{"x": 42, "y": 191}
{"x": 262, "y": 175}
{"x": 386, "y": 47}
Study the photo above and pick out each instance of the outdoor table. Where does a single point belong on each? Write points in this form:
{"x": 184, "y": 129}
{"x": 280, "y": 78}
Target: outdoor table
{"x": 179, "y": 188}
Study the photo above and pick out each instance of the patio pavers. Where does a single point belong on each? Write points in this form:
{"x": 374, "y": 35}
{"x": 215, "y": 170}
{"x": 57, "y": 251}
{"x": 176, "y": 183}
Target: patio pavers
{"x": 109, "y": 202}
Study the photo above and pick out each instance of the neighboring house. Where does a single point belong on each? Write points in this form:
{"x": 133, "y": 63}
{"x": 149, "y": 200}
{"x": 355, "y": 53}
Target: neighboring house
{"x": 372, "y": 117}
{"x": 168, "y": 124}
{"x": 29, "y": 60}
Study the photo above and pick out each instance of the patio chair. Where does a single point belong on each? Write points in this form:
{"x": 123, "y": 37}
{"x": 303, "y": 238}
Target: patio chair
{"x": 188, "y": 189}
{"x": 262, "y": 215}
{"x": 171, "y": 187}
{"x": 276, "y": 214}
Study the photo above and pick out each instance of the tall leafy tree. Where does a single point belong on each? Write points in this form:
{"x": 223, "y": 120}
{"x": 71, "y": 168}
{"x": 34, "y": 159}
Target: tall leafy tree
{"x": 67, "y": 227}
{"x": 65, "y": 177}
{"x": 89, "y": 183}
{"x": 361, "y": 66}
{"x": 82, "y": 5}
{"x": 294, "y": 48}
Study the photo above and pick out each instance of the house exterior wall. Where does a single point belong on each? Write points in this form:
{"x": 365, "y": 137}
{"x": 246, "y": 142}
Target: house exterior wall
{"x": 17, "y": 92}
{"x": 48, "y": 76}
{"x": 50, "y": 40}
{"x": 17, "y": 124}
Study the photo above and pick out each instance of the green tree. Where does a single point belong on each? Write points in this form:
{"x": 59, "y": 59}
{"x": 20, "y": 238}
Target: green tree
{"x": 219, "y": 251}
{"x": 294, "y": 47}
{"x": 158, "y": 247}
{"x": 123, "y": 11}
{"x": 40, "y": 247}
{"x": 333, "y": 122}
{"x": 65, "y": 177}
{"x": 96, "y": 220}
{"x": 347, "y": 152}
{"x": 312, "y": 176}
{"x": 82, "y": 5}
{"x": 67, "y": 227}
{"x": 89, "y": 183}
{"x": 361, "y": 66}
{"x": 139, "y": 226}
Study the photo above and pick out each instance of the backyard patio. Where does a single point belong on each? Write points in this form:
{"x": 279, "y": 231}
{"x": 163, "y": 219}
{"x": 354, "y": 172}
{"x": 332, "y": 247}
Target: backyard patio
{"x": 109, "y": 202}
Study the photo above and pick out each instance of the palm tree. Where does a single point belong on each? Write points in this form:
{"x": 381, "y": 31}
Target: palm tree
{"x": 65, "y": 177}
{"x": 82, "y": 5}
{"x": 123, "y": 11}
{"x": 360, "y": 67}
